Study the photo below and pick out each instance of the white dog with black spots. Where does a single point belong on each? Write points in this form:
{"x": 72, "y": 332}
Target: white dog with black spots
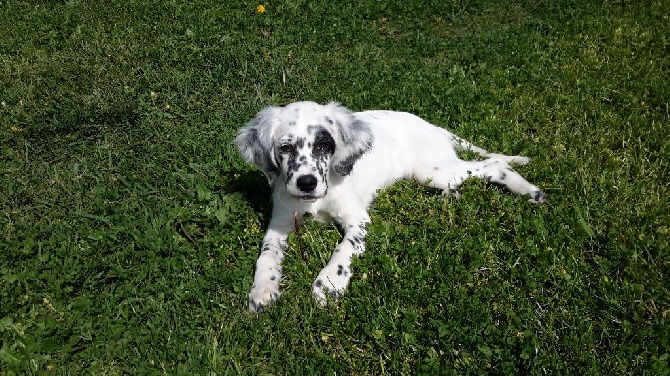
{"x": 330, "y": 162}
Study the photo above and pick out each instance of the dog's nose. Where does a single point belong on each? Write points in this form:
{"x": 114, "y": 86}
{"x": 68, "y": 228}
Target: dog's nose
{"x": 306, "y": 183}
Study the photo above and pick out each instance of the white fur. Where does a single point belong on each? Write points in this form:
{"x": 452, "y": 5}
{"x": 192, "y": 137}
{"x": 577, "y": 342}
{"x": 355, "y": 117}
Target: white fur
{"x": 337, "y": 178}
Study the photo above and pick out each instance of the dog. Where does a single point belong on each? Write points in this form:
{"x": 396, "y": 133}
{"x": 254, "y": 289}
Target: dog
{"x": 330, "y": 162}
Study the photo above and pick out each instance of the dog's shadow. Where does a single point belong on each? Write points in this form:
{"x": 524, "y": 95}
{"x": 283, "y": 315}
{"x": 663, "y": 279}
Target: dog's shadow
{"x": 254, "y": 189}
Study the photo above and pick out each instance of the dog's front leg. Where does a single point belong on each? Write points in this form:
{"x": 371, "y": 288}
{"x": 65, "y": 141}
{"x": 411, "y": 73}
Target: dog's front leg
{"x": 265, "y": 289}
{"x": 334, "y": 278}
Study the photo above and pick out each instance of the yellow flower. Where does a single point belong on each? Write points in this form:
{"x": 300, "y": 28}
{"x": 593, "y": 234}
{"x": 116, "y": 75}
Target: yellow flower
{"x": 260, "y": 8}
{"x": 16, "y": 128}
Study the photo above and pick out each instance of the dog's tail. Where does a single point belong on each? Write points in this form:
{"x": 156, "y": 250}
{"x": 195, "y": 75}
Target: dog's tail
{"x": 464, "y": 145}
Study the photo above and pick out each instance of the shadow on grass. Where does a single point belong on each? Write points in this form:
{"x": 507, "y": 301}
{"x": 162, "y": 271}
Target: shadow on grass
{"x": 254, "y": 189}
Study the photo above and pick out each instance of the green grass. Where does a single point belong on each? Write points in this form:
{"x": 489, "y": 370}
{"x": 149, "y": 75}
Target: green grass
{"x": 130, "y": 225}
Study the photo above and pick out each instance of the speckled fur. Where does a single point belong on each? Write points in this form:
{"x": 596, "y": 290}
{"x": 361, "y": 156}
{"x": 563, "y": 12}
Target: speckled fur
{"x": 330, "y": 162}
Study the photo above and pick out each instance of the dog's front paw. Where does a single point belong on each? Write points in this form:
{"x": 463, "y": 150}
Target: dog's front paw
{"x": 262, "y": 296}
{"x": 332, "y": 281}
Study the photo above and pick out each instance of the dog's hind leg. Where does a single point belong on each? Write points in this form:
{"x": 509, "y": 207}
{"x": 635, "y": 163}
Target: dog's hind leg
{"x": 465, "y": 145}
{"x": 495, "y": 170}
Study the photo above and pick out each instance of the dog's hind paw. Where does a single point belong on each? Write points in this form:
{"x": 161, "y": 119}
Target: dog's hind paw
{"x": 451, "y": 193}
{"x": 538, "y": 197}
{"x": 519, "y": 160}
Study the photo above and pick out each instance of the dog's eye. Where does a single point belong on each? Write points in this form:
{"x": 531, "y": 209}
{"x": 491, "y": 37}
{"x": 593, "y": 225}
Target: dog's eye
{"x": 285, "y": 148}
{"x": 322, "y": 146}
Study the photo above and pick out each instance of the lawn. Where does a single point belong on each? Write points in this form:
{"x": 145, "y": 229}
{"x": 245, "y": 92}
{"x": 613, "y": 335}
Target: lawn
{"x": 130, "y": 224}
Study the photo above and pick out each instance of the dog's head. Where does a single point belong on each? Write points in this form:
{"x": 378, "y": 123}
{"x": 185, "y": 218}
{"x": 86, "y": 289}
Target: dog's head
{"x": 301, "y": 144}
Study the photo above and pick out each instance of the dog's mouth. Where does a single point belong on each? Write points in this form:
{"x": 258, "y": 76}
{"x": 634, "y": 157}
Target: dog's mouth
{"x": 306, "y": 198}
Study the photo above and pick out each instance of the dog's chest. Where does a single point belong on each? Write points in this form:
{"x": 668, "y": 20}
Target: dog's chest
{"x": 322, "y": 216}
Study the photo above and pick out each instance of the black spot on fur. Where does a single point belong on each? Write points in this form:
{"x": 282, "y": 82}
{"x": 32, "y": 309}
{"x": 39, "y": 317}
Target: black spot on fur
{"x": 359, "y": 139}
{"x": 300, "y": 143}
{"x": 318, "y": 283}
{"x": 503, "y": 176}
{"x": 312, "y": 128}
{"x": 344, "y": 168}
{"x": 293, "y": 163}
{"x": 257, "y": 306}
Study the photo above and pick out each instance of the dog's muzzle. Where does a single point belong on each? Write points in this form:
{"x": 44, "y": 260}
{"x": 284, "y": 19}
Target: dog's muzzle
{"x": 306, "y": 183}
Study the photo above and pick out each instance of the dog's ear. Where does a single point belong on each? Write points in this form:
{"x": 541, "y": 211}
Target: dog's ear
{"x": 353, "y": 137}
{"x": 255, "y": 142}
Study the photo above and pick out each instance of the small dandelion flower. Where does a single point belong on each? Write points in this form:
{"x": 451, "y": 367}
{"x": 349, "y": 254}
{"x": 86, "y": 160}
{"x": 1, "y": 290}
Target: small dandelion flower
{"x": 260, "y": 8}
{"x": 15, "y": 128}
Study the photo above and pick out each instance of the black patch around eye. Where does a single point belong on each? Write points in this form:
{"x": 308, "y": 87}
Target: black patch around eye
{"x": 323, "y": 143}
